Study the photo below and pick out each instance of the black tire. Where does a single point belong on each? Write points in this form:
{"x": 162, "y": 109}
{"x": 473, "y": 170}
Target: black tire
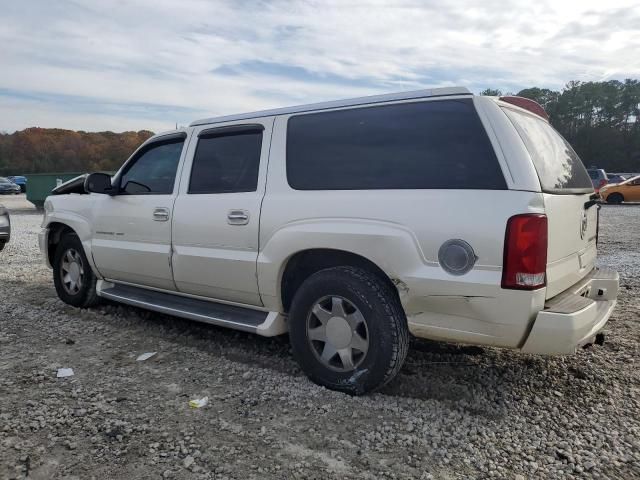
{"x": 615, "y": 198}
{"x": 86, "y": 295}
{"x": 386, "y": 329}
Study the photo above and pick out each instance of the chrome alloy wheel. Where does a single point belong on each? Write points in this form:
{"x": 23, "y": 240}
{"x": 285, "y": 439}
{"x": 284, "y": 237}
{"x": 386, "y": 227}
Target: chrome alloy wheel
{"x": 72, "y": 271}
{"x": 337, "y": 333}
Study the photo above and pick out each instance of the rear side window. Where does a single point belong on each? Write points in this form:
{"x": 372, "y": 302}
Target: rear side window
{"x": 559, "y": 168}
{"x": 427, "y": 145}
{"x": 226, "y": 163}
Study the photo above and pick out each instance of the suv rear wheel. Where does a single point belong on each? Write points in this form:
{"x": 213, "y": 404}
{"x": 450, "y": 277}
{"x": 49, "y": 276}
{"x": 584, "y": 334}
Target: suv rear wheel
{"x": 74, "y": 280}
{"x": 348, "y": 330}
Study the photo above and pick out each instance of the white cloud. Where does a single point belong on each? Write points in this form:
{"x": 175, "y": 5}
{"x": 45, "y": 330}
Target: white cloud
{"x": 81, "y": 55}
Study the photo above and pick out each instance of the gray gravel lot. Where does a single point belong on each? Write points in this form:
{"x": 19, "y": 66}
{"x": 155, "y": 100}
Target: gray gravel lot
{"x": 453, "y": 412}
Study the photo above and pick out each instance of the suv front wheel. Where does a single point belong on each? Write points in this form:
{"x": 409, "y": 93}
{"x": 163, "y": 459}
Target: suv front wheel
{"x": 348, "y": 331}
{"x": 74, "y": 280}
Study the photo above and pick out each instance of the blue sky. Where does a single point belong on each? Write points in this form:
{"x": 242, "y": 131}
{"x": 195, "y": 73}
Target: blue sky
{"x": 149, "y": 64}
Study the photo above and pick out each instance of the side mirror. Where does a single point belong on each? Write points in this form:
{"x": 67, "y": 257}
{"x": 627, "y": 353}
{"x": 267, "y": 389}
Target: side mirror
{"x": 98, "y": 183}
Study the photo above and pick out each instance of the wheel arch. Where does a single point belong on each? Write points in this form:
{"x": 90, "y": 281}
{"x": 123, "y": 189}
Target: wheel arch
{"x": 56, "y": 231}
{"x": 304, "y": 263}
{"x": 59, "y": 225}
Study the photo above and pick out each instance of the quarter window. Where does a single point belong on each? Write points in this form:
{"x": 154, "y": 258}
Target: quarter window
{"x": 423, "y": 145}
{"x": 226, "y": 162}
{"x": 154, "y": 170}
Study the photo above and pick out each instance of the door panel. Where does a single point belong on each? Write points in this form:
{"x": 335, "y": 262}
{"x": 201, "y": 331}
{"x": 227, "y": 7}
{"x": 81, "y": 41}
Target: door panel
{"x": 132, "y": 230}
{"x": 212, "y": 257}
{"x": 216, "y": 215}
{"x": 129, "y": 244}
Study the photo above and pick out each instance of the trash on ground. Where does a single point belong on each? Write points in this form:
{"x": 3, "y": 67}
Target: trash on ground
{"x": 64, "y": 372}
{"x": 199, "y": 402}
{"x": 145, "y": 356}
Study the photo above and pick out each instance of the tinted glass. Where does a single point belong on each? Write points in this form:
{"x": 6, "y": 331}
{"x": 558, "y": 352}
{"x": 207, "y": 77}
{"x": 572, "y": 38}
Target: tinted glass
{"x": 226, "y": 163}
{"x": 559, "y": 168}
{"x": 437, "y": 144}
{"x": 154, "y": 171}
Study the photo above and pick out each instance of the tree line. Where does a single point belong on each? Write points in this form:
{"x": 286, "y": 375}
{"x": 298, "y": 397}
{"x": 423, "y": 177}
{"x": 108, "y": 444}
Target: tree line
{"x": 600, "y": 119}
{"x": 40, "y": 150}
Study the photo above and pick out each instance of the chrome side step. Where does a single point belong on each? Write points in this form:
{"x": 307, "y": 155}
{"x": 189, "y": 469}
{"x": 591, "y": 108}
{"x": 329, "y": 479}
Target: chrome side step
{"x": 263, "y": 323}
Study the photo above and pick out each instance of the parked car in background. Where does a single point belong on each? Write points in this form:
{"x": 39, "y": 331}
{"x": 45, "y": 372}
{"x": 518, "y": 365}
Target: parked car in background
{"x": 19, "y": 180}
{"x": 615, "y": 178}
{"x": 436, "y": 213}
{"x": 5, "y": 227}
{"x": 598, "y": 177}
{"x": 7, "y": 187}
{"x": 627, "y": 191}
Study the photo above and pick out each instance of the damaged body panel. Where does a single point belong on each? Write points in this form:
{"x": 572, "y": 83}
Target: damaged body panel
{"x": 75, "y": 185}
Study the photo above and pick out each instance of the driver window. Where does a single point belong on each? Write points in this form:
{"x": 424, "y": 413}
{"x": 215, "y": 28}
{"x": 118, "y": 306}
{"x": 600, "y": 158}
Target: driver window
{"x": 154, "y": 171}
{"x": 226, "y": 163}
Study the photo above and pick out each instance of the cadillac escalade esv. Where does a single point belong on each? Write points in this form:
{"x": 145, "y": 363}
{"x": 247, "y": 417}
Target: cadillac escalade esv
{"x": 350, "y": 225}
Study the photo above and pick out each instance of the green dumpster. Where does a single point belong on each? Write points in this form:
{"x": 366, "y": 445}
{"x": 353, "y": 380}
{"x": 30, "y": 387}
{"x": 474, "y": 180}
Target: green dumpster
{"x": 39, "y": 185}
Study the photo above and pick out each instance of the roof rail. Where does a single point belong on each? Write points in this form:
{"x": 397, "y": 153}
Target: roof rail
{"x": 389, "y": 97}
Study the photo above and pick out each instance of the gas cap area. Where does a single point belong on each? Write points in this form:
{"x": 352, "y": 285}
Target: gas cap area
{"x": 456, "y": 257}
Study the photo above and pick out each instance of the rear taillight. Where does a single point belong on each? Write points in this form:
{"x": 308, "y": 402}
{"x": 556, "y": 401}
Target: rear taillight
{"x": 525, "y": 252}
{"x": 603, "y": 182}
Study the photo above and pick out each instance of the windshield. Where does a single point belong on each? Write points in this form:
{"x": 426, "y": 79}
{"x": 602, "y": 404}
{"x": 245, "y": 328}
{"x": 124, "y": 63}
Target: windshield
{"x": 559, "y": 168}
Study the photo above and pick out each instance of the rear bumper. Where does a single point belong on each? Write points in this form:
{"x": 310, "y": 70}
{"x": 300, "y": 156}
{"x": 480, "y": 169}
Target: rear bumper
{"x": 572, "y": 318}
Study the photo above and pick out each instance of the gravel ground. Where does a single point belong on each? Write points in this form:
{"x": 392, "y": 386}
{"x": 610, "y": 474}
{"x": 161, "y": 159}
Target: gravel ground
{"x": 453, "y": 412}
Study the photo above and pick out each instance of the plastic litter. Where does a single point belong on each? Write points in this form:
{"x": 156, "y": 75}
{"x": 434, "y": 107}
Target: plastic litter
{"x": 145, "y": 356}
{"x": 199, "y": 402}
{"x": 64, "y": 372}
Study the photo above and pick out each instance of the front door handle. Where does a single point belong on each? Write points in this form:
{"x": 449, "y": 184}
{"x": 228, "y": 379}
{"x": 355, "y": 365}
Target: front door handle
{"x": 161, "y": 214}
{"x": 237, "y": 217}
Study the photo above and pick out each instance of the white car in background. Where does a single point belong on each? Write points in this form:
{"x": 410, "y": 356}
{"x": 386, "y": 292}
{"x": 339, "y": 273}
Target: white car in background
{"x": 350, "y": 225}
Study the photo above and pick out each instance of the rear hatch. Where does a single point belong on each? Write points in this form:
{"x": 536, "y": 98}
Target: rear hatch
{"x": 568, "y": 199}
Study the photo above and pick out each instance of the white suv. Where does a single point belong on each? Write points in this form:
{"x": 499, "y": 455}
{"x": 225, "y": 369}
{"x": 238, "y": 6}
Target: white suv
{"x": 349, "y": 225}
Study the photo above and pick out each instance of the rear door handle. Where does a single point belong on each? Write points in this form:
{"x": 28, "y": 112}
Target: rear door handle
{"x": 237, "y": 217}
{"x": 161, "y": 214}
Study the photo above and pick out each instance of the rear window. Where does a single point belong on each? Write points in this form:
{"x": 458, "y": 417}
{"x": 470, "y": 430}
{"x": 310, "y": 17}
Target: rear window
{"x": 426, "y": 145}
{"x": 559, "y": 168}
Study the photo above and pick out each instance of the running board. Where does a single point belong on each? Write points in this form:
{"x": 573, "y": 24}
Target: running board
{"x": 267, "y": 324}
